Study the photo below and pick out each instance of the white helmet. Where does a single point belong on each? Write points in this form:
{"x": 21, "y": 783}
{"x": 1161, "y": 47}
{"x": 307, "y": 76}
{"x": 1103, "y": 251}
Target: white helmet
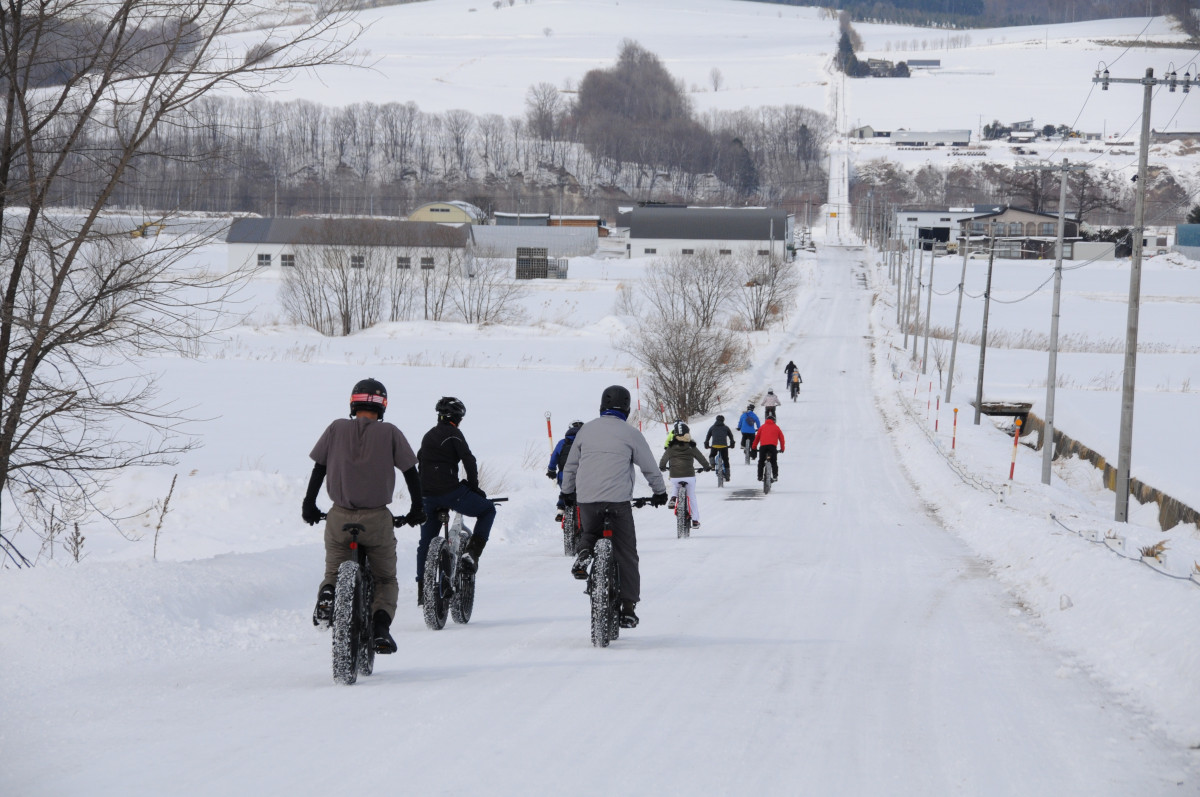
{"x": 771, "y": 391}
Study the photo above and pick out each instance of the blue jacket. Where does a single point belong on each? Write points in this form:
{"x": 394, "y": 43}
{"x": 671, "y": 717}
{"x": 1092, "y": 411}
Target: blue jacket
{"x": 748, "y": 423}
{"x": 553, "y": 466}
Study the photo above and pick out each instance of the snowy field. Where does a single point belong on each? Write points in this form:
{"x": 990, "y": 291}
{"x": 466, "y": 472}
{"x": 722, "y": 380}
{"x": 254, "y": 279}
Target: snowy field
{"x": 891, "y": 619}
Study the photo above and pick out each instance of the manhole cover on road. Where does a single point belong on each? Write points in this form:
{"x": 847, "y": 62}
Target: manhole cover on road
{"x": 745, "y": 495}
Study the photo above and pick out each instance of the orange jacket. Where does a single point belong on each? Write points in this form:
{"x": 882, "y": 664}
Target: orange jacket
{"x": 769, "y": 434}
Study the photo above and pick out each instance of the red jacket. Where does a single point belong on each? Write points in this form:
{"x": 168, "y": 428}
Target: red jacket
{"x": 769, "y": 434}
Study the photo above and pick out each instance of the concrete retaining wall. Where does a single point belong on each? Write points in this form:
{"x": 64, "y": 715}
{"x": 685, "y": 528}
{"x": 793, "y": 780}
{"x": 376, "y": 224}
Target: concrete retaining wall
{"x": 1171, "y": 511}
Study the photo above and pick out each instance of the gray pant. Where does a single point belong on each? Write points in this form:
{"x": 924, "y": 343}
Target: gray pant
{"x": 379, "y": 541}
{"x": 623, "y": 537}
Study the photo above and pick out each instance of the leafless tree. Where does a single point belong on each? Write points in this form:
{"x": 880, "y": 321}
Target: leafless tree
{"x": 336, "y": 289}
{"x": 767, "y": 287}
{"x": 687, "y": 366}
{"x": 695, "y": 287}
{"x": 716, "y": 79}
{"x": 88, "y": 90}
{"x": 485, "y": 292}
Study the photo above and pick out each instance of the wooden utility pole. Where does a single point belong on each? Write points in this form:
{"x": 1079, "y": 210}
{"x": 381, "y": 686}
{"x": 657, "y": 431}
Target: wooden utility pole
{"x": 966, "y": 245}
{"x": 987, "y": 301}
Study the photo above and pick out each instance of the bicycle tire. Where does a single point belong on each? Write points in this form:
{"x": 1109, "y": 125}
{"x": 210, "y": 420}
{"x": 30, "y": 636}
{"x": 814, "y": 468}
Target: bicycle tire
{"x": 366, "y": 645}
{"x": 746, "y": 451}
{"x": 768, "y": 477}
{"x": 600, "y": 590}
{"x": 463, "y": 600}
{"x": 436, "y": 584}
{"x": 719, "y": 467}
{"x": 570, "y": 537}
{"x": 683, "y": 518}
{"x": 345, "y": 620}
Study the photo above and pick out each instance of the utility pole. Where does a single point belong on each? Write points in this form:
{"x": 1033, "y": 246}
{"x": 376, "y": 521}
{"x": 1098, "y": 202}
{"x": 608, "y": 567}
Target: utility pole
{"x": 1125, "y": 447}
{"x": 1052, "y": 369}
{"x": 987, "y": 302}
{"x": 917, "y": 308}
{"x": 966, "y": 250}
{"x": 928, "y": 310}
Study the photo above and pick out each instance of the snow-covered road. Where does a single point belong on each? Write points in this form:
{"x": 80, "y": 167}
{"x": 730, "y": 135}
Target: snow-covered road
{"x": 831, "y": 638}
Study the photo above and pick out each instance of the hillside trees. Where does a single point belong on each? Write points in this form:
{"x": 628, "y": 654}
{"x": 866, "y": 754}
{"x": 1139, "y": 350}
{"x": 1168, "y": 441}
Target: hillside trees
{"x": 81, "y": 297}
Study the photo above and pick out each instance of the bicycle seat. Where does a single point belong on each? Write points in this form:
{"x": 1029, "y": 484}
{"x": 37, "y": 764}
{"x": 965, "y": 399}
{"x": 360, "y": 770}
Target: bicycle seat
{"x": 443, "y": 516}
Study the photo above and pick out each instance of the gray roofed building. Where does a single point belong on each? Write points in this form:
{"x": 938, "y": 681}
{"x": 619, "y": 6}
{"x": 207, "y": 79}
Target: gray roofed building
{"x": 724, "y": 224}
{"x": 346, "y": 232}
{"x": 503, "y": 240}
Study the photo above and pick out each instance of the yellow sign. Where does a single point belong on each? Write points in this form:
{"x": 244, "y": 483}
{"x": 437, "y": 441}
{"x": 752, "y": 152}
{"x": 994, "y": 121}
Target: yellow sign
{"x": 833, "y": 215}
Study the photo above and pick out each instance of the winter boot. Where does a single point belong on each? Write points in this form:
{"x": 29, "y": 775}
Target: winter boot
{"x": 558, "y": 516}
{"x": 470, "y": 554}
{"x": 627, "y": 617}
{"x": 323, "y": 614}
{"x": 671, "y": 503}
{"x": 695, "y": 524}
{"x": 383, "y": 640}
{"x": 579, "y": 568}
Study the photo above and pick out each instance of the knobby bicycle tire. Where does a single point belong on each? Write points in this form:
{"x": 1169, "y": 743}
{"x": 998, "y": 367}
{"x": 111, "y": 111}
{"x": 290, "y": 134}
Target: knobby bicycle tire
{"x": 768, "y": 477}
{"x": 345, "y": 619}
{"x": 570, "y": 531}
{"x": 436, "y": 584}
{"x": 365, "y": 597}
{"x": 602, "y": 593}
{"x": 463, "y": 600}
{"x": 683, "y": 517}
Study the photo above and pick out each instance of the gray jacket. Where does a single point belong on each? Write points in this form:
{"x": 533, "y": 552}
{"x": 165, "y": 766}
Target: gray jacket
{"x": 601, "y": 464}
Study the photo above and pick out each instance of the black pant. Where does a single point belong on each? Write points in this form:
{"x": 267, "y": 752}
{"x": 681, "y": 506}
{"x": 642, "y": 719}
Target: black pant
{"x": 770, "y": 412}
{"x": 624, "y": 541}
{"x": 767, "y": 453}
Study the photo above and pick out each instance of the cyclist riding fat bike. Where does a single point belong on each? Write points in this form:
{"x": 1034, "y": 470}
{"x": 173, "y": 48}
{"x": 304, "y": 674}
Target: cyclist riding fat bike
{"x": 795, "y": 383}
{"x": 790, "y": 369}
{"x": 361, "y": 455}
{"x": 748, "y": 424}
{"x": 719, "y": 438}
{"x": 599, "y": 476}
{"x": 442, "y": 449}
{"x": 768, "y": 442}
{"x": 770, "y": 402}
{"x": 680, "y": 454}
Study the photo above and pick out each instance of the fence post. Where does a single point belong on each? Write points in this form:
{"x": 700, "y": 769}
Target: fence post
{"x": 1016, "y": 438}
{"x": 954, "y": 434}
{"x": 937, "y": 416}
{"x": 549, "y": 433}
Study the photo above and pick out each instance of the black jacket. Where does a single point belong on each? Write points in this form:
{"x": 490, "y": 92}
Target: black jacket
{"x": 442, "y": 448}
{"x": 718, "y": 435}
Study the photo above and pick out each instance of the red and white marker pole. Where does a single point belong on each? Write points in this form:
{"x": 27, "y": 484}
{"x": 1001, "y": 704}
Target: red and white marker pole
{"x": 1016, "y": 438}
{"x": 929, "y": 401}
{"x": 662, "y": 411}
{"x": 549, "y": 433}
{"x": 638, "y": 384}
{"x": 937, "y": 416}
{"x": 954, "y": 433}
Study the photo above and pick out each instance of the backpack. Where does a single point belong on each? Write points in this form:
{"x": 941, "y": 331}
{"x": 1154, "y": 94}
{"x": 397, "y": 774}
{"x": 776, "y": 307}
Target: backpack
{"x": 561, "y": 462}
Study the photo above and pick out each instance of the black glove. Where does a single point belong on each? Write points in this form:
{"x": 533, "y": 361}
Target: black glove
{"x": 415, "y": 517}
{"x": 705, "y": 470}
{"x": 658, "y": 499}
{"x": 551, "y": 475}
{"x": 568, "y": 499}
{"x": 663, "y": 468}
{"x": 753, "y": 453}
{"x": 309, "y": 513}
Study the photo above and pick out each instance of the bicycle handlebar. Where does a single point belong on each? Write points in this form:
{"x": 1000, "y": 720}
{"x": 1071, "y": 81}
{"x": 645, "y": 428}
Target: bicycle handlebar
{"x": 638, "y": 503}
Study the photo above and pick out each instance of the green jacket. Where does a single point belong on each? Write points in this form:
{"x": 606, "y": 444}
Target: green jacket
{"x": 680, "y": 454}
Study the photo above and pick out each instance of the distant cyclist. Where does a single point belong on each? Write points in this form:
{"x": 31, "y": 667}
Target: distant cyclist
{"x": 794, "y": 386}
{"x": 679, "y": 456}
{"x": 770, "y": 403}
{"x": 719, "y": 439}
{"x": 788, "y": 370}
{"x": 748, "y": 424}
{"x": 769, "y": 443}
{"x": 558, "y": 459}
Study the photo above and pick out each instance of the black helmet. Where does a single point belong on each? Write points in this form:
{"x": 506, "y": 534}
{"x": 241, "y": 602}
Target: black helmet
{"x": 681, "y": 428}
{"x": 615, "y": 397}
{"x": 450, "y": 409}
{"x": 720, "y": 419}
{"x": 576, "y": 425}
{"x": 368, "y": 394}
{"x": 749, "y": 408}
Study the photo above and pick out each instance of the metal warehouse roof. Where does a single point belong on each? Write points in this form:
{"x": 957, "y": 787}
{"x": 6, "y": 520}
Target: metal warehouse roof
{"x": 347, "y": 232}
{"x": 709, "y": 224}
{"x": 503, "y": 240}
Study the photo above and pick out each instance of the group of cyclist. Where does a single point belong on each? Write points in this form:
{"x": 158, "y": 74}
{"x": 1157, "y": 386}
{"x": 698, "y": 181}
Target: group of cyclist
{"x": 357, "y": 459}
